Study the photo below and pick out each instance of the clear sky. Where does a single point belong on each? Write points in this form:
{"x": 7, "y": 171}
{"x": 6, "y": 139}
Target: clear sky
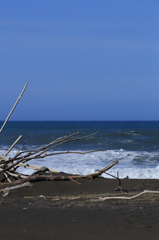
{"x": 82, "y": 59}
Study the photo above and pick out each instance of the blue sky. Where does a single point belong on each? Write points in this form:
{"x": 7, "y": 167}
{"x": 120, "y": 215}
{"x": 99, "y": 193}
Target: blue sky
{"x": 83, "y": 60}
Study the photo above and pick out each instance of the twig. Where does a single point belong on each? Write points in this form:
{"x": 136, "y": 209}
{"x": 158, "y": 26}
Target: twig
{"x": 58, "y": 153}
{"x": 29, "y": 154}
{"x": 96, "y": 174}
{"x": 27, "y": 184}
{"x": 28, "y": 157}
{"x": 16, "y": 175}
{"x": 127, "y": 198}
{"x": 10, "y": 166}
{"x": 67, "y": 152}
{"x": 13, "y": 107}
{"x": 6, "y": 176}
{"x": 60, "y": 139}
{"x": 20, "y": 149}
{"x": 69, "y": 140}
{"x": 13, "y": 145}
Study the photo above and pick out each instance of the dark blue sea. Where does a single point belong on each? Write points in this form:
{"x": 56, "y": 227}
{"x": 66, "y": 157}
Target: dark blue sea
{"x": 134, "y": 143}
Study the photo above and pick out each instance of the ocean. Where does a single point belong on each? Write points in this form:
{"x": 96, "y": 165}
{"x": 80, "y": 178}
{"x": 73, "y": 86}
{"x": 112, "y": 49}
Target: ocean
{"x": 134, "y": 143}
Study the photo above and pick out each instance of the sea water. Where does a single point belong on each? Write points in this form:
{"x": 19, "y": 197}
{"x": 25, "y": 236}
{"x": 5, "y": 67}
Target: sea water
{"x": 134, "y": 143}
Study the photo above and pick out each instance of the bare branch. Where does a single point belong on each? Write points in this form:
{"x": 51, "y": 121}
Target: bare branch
{"x": 13, "y": 107}
{"x": 12, "y": 165}
{"x": 13, "y": 145}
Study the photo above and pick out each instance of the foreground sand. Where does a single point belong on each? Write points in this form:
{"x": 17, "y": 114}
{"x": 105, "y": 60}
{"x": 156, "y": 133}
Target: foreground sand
{"x": 66, "y": 210}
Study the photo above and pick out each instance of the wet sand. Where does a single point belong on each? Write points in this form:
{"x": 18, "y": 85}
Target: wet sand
{"x": 67, "y": 210}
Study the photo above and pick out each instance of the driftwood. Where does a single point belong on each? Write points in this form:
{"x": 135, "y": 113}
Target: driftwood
{"x": 13, "y": 107}
{"x": 13, "y": 145}
{"x": 126, "y": 198}
{"x": 53, "y": 177}
{"x": 9, "y": 166}
{"x": 26, "y": 184}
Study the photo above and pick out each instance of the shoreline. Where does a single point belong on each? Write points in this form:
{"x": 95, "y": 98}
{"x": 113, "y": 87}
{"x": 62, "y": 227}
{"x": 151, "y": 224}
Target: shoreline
{"x": 67, "y": 210}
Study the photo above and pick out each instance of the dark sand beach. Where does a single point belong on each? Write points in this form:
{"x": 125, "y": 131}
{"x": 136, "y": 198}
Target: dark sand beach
{"x": 67, "y": 210}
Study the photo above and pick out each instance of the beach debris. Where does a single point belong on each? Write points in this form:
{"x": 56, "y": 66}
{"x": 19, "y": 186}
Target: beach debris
{"x": 6, "y": 190}
{"x": 42, "y": 196}
{"x": 4, "y": 195}
{"x": 9, "y": 166}
{"x": 127, "y": 198}
{"x": 13, "y": 107}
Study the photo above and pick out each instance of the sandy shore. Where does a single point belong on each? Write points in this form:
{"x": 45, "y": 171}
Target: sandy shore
{"x": 66, "y": 210}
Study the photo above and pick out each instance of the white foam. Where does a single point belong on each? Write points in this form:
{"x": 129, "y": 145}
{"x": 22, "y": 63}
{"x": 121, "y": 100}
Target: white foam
{"x": 134, "y": 164}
